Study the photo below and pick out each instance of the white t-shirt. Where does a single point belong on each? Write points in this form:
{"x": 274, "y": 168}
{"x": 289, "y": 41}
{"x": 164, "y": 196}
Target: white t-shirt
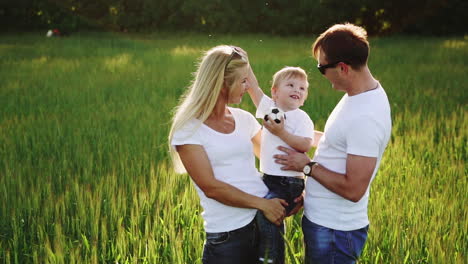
{"x": 233, "y": 161}
{"x": 359, "y": 125}
{"x": 297, "y": 122}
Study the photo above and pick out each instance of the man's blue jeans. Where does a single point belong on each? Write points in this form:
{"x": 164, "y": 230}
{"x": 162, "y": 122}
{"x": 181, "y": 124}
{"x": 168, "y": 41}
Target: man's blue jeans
{"x": 271, "y": 236}
{"x": 325, "y": 245}
{"x": 238, "y": 246}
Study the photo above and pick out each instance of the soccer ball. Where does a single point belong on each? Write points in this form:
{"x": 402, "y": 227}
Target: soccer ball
{"x": 275, "y": 114}
{"x": 50, "y": 33}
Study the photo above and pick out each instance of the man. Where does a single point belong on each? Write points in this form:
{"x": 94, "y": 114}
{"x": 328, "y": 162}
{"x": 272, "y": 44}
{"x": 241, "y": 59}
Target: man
{"x": 335, "y": 221}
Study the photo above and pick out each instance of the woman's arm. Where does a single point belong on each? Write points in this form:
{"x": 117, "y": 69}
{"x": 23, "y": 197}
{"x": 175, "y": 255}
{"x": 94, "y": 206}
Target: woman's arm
{"x": 198, "y": 166}
{"x": 256, "y": 140}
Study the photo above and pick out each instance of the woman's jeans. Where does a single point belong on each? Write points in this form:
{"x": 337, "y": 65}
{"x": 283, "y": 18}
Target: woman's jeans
{"x": 325, "y": 245}
{"x": 238, "y": 246}
{"x": 271, "y": 246}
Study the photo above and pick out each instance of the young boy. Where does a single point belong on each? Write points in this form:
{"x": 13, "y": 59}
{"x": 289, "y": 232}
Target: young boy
{"x": 296, "y": 130}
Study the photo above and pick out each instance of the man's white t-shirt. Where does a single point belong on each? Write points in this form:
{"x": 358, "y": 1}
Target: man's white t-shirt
{"x": 233, "y": 161}
{"x": 297, "y": 122}
{"x": 359, "y": 125}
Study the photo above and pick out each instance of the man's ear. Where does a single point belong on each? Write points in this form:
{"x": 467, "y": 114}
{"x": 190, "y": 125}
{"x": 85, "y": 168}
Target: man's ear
{"x": 344, "y": 67}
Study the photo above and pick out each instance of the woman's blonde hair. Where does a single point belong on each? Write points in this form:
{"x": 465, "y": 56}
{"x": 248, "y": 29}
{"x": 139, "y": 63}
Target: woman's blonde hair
{"x": 218, "y": 67}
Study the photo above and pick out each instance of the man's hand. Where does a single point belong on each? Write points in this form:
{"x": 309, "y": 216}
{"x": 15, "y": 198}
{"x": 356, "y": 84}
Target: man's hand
{"x": 292, "y": 160}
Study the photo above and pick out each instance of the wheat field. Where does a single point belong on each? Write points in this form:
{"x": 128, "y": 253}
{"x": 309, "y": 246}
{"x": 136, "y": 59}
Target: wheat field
{"x": 84, "y": 171}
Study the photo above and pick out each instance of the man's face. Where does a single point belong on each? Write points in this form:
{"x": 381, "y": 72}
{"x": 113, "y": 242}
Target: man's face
{"x": 332, "y": 73}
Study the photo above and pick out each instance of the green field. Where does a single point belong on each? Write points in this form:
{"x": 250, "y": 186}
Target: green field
{"x": 84, "y": 175}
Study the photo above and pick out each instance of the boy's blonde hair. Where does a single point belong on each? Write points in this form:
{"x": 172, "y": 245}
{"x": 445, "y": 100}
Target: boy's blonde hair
{"x": 218, "y": 67}
{"x": 288, "y": 73}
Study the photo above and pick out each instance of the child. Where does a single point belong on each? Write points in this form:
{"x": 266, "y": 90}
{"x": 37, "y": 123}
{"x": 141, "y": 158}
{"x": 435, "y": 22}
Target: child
{"x": 296, "y": 130}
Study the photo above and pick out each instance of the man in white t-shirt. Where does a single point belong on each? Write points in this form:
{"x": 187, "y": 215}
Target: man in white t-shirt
{"x": 348, "y": 155}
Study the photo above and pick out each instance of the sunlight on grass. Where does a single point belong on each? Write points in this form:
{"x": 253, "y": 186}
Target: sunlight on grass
{"x": 39, "y": 61}
{"x": 118, "y": 62}
{"x": 184, "y": 50}
{"x": 455, "y": 44}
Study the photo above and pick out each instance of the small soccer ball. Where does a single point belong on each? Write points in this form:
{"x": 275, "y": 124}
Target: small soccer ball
{"x": 275, "y": 114}
{"x": 50, "y": 33}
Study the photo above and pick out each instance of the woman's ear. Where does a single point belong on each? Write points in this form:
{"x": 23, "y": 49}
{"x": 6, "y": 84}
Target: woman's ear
{"x": 224, "y": 90}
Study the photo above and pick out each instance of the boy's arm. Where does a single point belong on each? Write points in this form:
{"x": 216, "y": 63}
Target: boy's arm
{"x": 301, "y": 144}
{"x": 254, "y": 91}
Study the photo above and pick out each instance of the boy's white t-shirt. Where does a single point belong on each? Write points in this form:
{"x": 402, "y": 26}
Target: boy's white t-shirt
{"x": 297, "y": 122}
{"x": 359, "y": 125}
{"x": 233, "y": 161}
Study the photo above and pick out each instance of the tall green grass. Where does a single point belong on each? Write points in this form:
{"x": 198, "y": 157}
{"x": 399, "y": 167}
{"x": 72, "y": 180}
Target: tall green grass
{"x": 84, "y": 176}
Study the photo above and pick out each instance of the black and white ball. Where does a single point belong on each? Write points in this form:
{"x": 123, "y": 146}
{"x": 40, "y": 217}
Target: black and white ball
{"x": 275, "y": 114}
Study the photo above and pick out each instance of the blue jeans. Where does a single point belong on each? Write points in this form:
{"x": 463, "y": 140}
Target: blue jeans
{"x": 233, "y": 247}
{"x": 271, "y": 245}
{"x": 325, "y": 245}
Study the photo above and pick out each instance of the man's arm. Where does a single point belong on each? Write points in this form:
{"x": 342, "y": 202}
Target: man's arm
{"x": 198, "y": 166}
{"x": 351, "y": 186}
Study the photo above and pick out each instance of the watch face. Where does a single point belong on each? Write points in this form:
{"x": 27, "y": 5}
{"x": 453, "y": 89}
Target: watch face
{"x": 306, "y": 169}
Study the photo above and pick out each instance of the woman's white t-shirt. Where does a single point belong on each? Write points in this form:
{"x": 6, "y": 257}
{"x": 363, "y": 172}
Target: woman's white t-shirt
{"x": 233, "y": 161}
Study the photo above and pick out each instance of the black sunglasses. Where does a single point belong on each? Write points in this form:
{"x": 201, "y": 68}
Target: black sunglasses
{"x": 322, "y": 68}
{"x": 235, "y": 50}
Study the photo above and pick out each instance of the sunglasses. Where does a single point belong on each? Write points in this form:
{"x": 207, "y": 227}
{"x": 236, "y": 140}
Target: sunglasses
{"x": 235, "y": 51}
{"x": 322, "y": 68}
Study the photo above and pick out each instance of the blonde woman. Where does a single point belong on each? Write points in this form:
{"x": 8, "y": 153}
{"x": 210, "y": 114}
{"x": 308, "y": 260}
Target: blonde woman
{"x": 214, "y": 144}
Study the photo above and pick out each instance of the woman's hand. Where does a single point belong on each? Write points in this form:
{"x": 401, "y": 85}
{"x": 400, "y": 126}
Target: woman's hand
{"x": 274, "y": 211}
{"x": 299, "y": 204}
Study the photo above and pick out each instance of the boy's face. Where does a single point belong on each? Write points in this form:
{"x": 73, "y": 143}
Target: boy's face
{"x": 290, "y": 94}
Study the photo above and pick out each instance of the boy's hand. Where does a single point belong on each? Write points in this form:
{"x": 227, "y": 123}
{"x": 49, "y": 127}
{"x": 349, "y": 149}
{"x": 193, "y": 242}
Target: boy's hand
{"x": 253, "y": 83}
{"x": 275, "y": 128}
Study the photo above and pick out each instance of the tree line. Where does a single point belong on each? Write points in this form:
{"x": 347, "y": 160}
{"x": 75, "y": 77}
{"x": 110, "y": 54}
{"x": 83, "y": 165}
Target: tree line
{"x": 281, "y": 17}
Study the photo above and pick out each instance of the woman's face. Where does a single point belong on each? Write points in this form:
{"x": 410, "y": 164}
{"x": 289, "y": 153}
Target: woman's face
{"x": 240, "y": 85}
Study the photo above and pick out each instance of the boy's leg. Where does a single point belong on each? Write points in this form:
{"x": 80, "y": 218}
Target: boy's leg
{"x": 271, "y": 242}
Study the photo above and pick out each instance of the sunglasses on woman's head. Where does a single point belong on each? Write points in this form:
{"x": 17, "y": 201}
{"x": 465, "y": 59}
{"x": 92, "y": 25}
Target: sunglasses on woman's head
{"x": 235, "y": 50}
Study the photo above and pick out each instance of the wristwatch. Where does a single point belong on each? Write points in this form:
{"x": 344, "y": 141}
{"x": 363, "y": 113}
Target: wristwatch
{"x": 308, "y": 168}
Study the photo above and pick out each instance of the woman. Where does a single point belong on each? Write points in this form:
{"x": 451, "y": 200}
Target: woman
{"x": 215, "y": 144}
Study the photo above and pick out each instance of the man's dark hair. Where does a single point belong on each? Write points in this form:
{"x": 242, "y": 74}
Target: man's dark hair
{"x": 343, "y": 43}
